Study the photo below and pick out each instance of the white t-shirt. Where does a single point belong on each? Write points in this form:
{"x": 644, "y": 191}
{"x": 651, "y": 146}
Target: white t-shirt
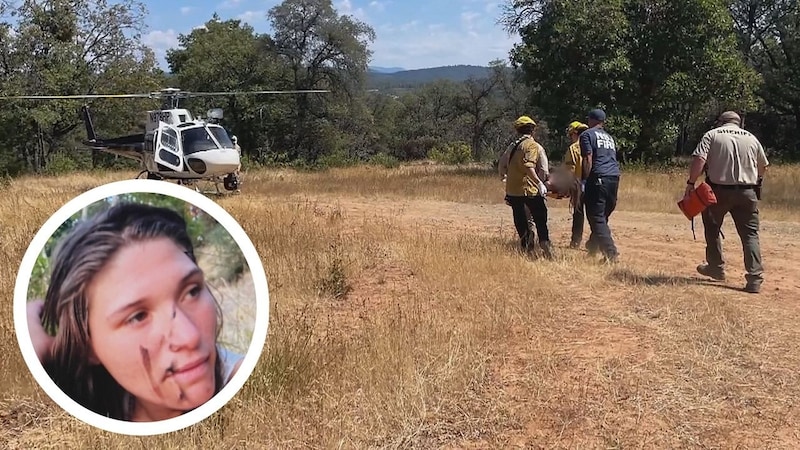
{"x": 543, "y": 166}
{"x": 229, "y": 361}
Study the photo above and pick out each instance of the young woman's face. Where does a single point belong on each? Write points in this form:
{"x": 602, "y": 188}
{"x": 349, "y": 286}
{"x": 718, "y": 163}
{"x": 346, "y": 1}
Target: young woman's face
{"x": 152, "y": 322}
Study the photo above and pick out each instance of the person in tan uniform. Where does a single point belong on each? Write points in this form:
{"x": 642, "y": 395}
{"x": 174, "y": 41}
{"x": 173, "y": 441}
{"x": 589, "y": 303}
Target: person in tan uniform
{"x": 572, "y": 159}
{"x": 238, "y": 171}
{"x": 235, "y": 141}
{"x": 524, "y": 168}
{"x": 735, "y": 163}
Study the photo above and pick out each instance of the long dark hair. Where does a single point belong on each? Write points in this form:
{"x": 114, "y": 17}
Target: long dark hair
{"x": 77, "y": 259}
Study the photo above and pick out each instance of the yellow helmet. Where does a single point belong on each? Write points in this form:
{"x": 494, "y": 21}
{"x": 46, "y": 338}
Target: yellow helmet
{"x": 577, "y": 126}
{"x": 523, "y": 120}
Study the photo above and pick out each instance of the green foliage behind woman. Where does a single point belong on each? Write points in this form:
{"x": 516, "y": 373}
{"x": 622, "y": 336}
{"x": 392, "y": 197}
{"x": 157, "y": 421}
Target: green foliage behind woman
{"x": 207, "y": 236}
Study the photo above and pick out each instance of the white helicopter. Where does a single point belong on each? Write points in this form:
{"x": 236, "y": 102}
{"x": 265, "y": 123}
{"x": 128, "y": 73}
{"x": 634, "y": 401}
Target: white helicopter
{"x": 175, "y": 145}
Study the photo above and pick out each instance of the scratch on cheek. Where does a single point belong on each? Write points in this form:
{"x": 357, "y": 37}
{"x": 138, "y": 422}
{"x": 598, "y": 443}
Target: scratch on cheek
{"x": 148, "y": 368}
{"x": 181, "y": 394}
{"x": 170, "y": 373}
{"x": 172, "y": 323}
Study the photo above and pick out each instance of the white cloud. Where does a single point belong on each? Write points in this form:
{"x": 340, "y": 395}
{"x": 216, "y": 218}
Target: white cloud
{"x": 186, "y": 10}
{"x": 345, "y": 8}
{"x": 468, "y": 22}
{"x": 252, "y": 16}
{"x": 408, "y": 26}
{"x": 378, "y": 6}
{"x": 468, "y": 18}
{"x": 161, "y": 41}
{"x": 227, "y": 4}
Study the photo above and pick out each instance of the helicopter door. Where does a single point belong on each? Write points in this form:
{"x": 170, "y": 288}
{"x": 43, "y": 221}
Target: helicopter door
{"x": 168, "y": 151}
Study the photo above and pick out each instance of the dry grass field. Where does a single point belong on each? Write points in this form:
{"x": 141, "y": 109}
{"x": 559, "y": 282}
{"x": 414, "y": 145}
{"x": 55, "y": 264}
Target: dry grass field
{"x": 403, "y": 317}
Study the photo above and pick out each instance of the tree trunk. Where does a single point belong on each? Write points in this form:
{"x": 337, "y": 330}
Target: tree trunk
{"x": 797, "y": 126}
{"x": 39, "y": 159}
{"x": 644, "y": 143}
{"x": 797, "y": 116}
{"x": 683, "y": 136}
{"x": 477, "y": 132}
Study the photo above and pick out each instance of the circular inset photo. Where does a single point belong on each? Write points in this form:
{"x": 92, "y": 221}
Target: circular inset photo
{"x": 141, "y": 307}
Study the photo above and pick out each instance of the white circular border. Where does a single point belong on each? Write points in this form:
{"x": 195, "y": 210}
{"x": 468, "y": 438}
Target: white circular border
{"x": 259, "y": 330}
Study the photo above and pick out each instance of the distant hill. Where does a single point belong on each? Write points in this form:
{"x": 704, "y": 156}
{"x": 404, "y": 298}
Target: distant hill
{"x": 399, "y": 79}
{"x": 376, "y": 69}
{"x": 417, "y": 77}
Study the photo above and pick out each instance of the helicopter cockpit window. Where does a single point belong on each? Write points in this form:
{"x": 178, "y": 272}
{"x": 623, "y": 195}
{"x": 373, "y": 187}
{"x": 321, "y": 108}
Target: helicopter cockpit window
{"x": 197, "y": 140}
{"x": 222, "y": 136}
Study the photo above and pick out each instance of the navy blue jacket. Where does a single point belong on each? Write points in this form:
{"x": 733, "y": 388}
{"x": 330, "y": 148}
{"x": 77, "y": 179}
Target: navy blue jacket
{"x": 601, "y": 145}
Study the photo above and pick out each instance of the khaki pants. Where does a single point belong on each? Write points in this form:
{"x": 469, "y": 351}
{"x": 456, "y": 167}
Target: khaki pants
{"x": 742, "y": 204}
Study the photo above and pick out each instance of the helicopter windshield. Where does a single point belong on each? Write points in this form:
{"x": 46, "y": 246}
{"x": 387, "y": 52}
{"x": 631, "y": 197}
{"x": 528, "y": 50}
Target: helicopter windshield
{"x": 197, "y": 140}
{"x": 222, "y": 136}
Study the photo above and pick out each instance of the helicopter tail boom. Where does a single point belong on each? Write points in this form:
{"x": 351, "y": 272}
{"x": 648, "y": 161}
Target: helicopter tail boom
{"x": 128, "y": 146}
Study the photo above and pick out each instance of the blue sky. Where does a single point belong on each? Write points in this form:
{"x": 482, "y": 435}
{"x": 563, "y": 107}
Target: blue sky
{"x": 411, "y": 34}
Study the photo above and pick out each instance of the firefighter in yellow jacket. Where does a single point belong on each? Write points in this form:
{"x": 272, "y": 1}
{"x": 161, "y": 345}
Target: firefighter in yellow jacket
{"x": 572, "y": 159}
{"x": 524, "y": 164}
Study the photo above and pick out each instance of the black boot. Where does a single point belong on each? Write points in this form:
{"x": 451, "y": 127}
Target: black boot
{"x": 547, "y": 249}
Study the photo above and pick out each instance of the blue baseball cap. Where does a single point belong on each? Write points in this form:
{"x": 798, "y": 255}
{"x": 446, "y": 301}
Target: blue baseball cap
{"x": 597, "y": 114}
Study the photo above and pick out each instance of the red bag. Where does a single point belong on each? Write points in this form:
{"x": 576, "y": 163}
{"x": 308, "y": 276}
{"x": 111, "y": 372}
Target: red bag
{"x": 697, "y": 201}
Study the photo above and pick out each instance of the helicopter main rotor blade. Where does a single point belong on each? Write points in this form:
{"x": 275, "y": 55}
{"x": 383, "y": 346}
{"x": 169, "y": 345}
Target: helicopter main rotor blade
{"x": 57, "y": 97}
{"x": 175, "y": 94}
{"x": 305, "y": 91}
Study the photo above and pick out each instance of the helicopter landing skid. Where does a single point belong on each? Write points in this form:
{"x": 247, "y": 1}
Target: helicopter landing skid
{"x": 209, "y": 187}
{"x": 150, "y": 175}
{"x": 230, "y": 184}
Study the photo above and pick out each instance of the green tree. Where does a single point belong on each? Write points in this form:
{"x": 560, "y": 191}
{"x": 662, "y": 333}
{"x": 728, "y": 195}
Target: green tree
{"x": 573, "y": 56}
{"x": 768, "y": 36}
{"x": 684, "y": 55}
{"x": 62, "y": 47}
{"x": 204, "y": 231}
{"x": 322, "y": 50}
{"x": 482, "y": 104}
{"x": 651, "y": 63}
{"x": 385, "y": 111}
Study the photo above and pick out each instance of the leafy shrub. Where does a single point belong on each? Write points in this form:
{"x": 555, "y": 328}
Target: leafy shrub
{"x": 338, "y": 158}
{"x": 415, "y": 149}
{"x": 385, "y": 160}
{"x": 60, "y": 164}
{"x": 452, "y": 153}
